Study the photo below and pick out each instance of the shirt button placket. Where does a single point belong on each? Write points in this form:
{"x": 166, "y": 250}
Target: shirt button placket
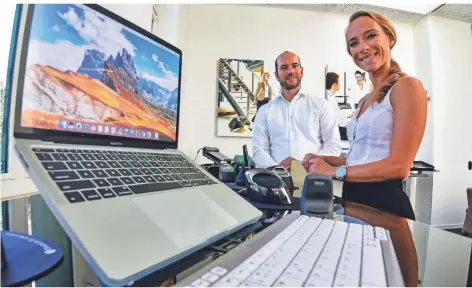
{"x": 290, "y": 130}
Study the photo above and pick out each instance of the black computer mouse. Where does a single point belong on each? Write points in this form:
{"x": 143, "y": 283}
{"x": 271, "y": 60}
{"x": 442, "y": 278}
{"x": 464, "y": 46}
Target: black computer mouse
{"x": 265, "y": 186}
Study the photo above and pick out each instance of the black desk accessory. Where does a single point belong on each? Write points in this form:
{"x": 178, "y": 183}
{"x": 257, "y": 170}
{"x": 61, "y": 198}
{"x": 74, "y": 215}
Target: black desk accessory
{"x": 241, "y": 178}
{"x": 214, "y": 155}
{"x": 285, "y": 175}
{"x": 317, "y": 196}
{"x": 27, "y": 258}
{"x": 265, "y": 186}
{"x": 227, "y": 174}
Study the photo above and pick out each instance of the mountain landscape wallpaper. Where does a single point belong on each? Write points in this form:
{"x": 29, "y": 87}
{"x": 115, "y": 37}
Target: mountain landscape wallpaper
{"x": 83, "y": 66}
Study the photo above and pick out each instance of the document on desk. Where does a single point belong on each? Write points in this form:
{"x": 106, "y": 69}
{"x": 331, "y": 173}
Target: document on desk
{"x": 298, "y": 174}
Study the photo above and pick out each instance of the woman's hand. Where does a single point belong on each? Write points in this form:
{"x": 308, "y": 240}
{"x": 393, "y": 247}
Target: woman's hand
{"x": 319, "y": 166}
{"x": 306, "y": 160}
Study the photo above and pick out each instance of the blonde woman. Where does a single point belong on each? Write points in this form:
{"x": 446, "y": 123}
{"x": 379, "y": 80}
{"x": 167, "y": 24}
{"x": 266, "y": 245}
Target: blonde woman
{"x": 387, "y": 127}
{"x": 263, "y": 91}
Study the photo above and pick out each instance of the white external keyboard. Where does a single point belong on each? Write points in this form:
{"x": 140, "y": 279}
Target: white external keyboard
{"x": 310, "y": 252}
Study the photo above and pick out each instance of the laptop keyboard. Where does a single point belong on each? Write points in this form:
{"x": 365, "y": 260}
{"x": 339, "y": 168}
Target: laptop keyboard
{"x": 85, "y": 174}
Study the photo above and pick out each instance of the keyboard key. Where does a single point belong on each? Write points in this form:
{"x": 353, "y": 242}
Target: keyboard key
{"x": 74, "y": 197}
{"x": 286, "y": 281}
{"x": 115, "y": 181}
{"x": 146, "y": 164}
{"x": 125, "y": 164}
{"x": 210, "y": 277}
{"x": 200, "y": 283}
{"x": 112, "y": 157}
{"x": 113, "y": 173}
{"x": 89, "y": 165}
{"x": 54, "y": 166}
{"x": 168, "y": 178}
{"x": 381, "y": 234}
{"x": 62, "y": 150}
{"x": 59, "y": 157}
{"x": 373, "y": 270}
{"x": 101, "y": 182}
{"x": 123, "y": 157}
{"x": 88, "y": 157}
{"x": 165, "y": 171}
{"x": 113, "y": 164}
{"x": 74, "y": 165}
{"x": 127, "y": 180}
{"x": 136, "y": 164}
{"x": 100, "y": 157}
{"x": 45, "y": 150}
{"x": 133, "y": 158}
{"x": 101, "y": 164}
{"x": 146, "y": 171}
{"x": 186, "y": 183}
{"x": 142, "y": 158}
{"x": 149, "y": 179}
{"x": 155, "y": 164}
{"x": 63, "y": 175}
{"x": 44, "y": 157}
{"x": 220, "y": 271}
{"x": 227, "y": 282}
{"x": 91, "y": 195}
{"x": 122, "y": 191}
{"x": 99, "y": 173}
{"x": 136, "y": 171}
{"x": 75, "y": 185}
{"x": 125, "y": 172}
{"x": 106, "y": 192}
{"x": 74, "y": 157}
{"x": 138, "y": 179}
{"x": 152, "y": 187}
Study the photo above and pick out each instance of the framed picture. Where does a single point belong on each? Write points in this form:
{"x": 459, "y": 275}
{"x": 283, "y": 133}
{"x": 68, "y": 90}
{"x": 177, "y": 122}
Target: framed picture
{"x": 238, "y": 89}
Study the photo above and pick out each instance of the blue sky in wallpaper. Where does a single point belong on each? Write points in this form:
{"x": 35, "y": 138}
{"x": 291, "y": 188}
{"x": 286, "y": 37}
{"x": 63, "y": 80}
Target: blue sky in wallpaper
{"x": 61, "y": 34}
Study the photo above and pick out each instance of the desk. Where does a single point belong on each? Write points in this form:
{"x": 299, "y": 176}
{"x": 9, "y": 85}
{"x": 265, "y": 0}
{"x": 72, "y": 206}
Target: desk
{"x": 427, "y": 256}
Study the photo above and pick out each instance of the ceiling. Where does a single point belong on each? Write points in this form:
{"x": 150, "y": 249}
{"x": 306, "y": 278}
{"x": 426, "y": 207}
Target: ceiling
{"x": 460, "y": 12}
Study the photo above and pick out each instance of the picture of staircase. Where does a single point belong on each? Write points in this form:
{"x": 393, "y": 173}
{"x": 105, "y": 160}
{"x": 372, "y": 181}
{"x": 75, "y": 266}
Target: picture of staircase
{"x": 237, "y": 82}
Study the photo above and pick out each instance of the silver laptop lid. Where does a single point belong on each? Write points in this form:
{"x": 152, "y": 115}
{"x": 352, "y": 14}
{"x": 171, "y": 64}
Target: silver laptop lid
{"x": 89, "y": 76}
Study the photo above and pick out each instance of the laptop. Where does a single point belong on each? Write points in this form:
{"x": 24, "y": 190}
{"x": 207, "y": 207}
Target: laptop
{"x": 97, "y": 127}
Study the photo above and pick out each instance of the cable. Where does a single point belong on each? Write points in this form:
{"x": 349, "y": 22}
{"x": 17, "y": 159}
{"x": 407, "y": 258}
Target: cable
{"x": 198, "y": 152}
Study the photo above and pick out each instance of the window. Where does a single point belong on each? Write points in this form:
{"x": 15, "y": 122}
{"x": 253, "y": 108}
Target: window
{"x": 15, "y": 181}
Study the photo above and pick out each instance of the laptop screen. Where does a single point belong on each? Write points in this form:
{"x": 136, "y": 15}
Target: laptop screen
{"x": 88, "y": 73}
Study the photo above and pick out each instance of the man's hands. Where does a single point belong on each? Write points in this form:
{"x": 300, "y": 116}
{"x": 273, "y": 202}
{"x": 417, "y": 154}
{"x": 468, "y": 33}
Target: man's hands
{"x": 286, "y": 162}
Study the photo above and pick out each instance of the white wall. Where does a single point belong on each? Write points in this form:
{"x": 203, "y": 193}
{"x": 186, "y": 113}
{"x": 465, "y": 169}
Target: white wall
{"x": 225, "y": 34}
{"x": 425, "y": 73}
{"x": 139, "y": 14}
{"x": 451, "y": 66}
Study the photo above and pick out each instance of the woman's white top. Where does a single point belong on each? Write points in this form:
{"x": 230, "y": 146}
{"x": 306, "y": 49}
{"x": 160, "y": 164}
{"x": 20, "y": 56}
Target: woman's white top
{"x": 266, "y": 91}
{"x": 359, "y": 93}
{"x": 370, "y": 136}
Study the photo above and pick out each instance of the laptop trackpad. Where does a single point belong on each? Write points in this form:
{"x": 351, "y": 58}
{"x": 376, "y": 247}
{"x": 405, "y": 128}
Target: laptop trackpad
{"x": 188, "y": 217}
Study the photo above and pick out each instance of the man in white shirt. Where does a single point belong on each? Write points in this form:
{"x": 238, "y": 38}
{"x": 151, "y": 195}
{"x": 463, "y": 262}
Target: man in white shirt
{"x": 332, "y": 86}
{"x": 295, "y": 122}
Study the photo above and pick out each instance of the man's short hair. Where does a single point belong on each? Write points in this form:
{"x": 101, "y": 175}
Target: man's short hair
{"x": 331, "y": 79}
{"x": 299, "y": 61}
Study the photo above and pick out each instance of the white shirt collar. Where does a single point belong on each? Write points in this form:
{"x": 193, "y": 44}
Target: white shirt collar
{"x": 330, "y": 94}
{"x": 300, "y": 93}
